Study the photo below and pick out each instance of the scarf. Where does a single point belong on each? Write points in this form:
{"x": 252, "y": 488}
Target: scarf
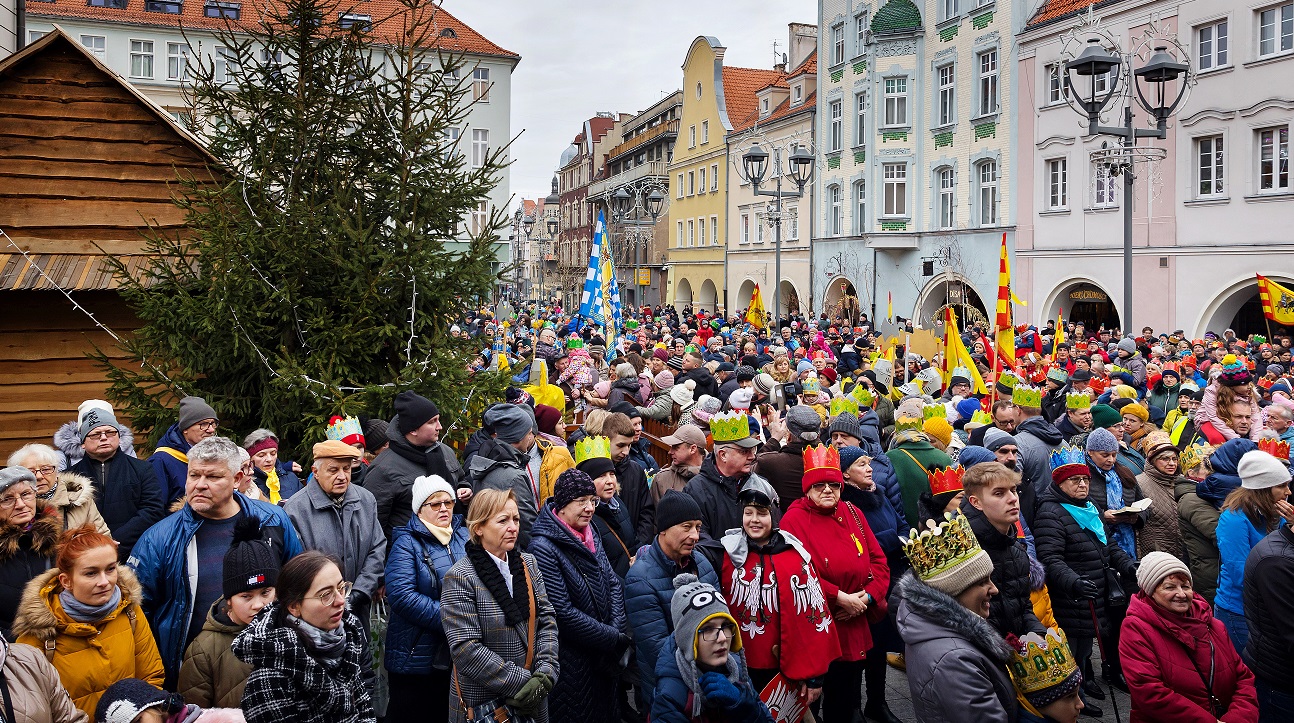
{"x": 515, "y": 607}
{"x": 442, "y": 534}
{"x": 1088, "y": 518}
{"x": 83, "y": 613}
{"x": 48, "y": 494}
{"x": 585, "y": 538}
{"x": 687, "y": 667}
{"x": 326, "y": 645}
{"x": 1123, "y": 535}
{"x": 272, "y": 484}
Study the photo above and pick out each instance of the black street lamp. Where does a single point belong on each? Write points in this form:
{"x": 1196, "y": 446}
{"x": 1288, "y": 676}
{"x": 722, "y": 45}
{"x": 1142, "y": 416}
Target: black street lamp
{"x": 628, "y": 205}
{"x": 755, "y": 163}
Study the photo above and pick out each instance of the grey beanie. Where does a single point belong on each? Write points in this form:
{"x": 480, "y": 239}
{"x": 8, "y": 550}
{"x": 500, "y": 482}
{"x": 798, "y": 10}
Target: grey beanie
{"x": 509, "y": 422}
{"x": 803, "y": 423}
{"x": 97, "y": 417}
{"x": 693, "y": 604}
{"x": 846, "y": 423}
{"x": 995, "y": 438}
{"x": 1128, "y": 345}
{"x": 194, "y": 410}
{"x": 1101, "y": 440}
{"x": 1155, "y": 567}
{"x": 10, "y": 476}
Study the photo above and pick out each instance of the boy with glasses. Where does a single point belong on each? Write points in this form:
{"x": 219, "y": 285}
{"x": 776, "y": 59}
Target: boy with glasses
{"x": 126, "y": 489}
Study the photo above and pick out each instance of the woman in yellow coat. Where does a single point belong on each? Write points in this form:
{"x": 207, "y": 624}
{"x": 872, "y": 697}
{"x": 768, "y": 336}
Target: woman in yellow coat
{"x": 84, "y": 615}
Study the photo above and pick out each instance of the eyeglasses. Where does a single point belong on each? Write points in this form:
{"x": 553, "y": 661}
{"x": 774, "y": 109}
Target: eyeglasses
{"x": 710, "y": 633}
{"x": 42, "y": 471}
{"x": 8, "y": 501}
{"x": 443, "y": 504}
{"x": 329, "y": 596}
{"x": 208, "y": 425}
{"x": 107, "y": 434}
{"x": 820, "y": 486}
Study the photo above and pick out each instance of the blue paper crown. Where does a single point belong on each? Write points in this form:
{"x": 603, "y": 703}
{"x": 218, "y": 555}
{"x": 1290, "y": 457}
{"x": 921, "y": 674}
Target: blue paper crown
{"x": 1066, "y": 454}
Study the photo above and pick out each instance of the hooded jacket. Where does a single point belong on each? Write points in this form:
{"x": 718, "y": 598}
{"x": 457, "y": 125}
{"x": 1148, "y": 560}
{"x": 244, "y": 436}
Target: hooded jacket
{"x": 1167, "y": 660}
{"x": 1198, "y": 522}
{"x": 25, "y": 554}
{"x": 1011, "y": 609}
{"x": 1269, "y": 603}
{"x": 956, "y": 661}
{"x": 128, "y": 493}
{"x": 390, "y": 477}
{"x": 1225, "y": 477}
{"x": 415, "y": 569}
{"x": 674, "y": 699}
{"x": 347, "y": 530}
{"x": 500, "y": 466}
{"x": 1163, "y": 397}
{"x": 89, "y": 656}
{"x": 74, "y": 500}
{"x": 67, "y": 443}
{"x": 35, "y": 691}
{"x": 1036, "y": 438}
{"x": 211, "y": 676}
{"x": 172, "y": 472}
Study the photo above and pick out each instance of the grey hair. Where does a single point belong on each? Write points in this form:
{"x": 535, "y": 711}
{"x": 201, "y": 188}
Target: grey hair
{"x": 625, "y": 371}
{"x": 1278, "y": 410}
{"x": 44, "y": 452}
{"x": 218, "y": 449}
{"x": 258, "y": 436}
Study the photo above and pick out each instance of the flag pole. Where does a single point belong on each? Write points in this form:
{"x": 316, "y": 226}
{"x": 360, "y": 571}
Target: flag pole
{"x": 997, "y": 355}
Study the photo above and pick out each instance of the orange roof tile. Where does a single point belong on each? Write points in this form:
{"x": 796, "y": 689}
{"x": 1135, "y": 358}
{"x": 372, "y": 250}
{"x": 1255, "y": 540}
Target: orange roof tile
{"x": 740, "y": 86}
{"x": 808, "y": 66}
{"x": 386, "y": 15}
{"x": 782, "y": 110}
{"x": 1056, "y": 9}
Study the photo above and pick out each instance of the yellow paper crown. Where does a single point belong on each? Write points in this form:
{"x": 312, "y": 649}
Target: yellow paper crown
{"x": 1040, "y": 665}
{"x": 1078, "y": 400}
{"x": 981, "y": 418}
{"x": 592, "y": 448}
{"x": 1023, "y": 395}
{"x": 863, "y": 395}
{"x": 934, "y": 411}
{"x": 1008, "y": 379}
{"x": 1193, "y": 456}
{"x": 912, "y": 424}
{"x": 841, "y": 405}
{"x": 729, "y": 426}
{"x": 810, "y": 385}
{"x": 940, "y": 548}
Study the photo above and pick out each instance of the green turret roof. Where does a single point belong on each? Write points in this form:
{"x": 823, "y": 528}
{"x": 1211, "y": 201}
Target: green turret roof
{"x": 896, "y": 16}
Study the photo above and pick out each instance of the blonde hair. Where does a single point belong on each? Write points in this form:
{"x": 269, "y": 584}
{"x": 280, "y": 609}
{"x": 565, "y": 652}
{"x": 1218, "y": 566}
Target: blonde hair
{"x": 486, "y": 504}
{"x": 593, "y": 421}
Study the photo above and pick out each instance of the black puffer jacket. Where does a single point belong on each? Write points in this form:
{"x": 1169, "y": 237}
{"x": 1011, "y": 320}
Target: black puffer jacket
{"x": 1011, "y": 609}
{"x": 616, "y": 533}
{"x": 717, "y": 496}
{"x": 635, "y": 492}
{"x": 1071, "y": 553}
{"x": 1269, "y": 600}
{"x": 128, "y": 494}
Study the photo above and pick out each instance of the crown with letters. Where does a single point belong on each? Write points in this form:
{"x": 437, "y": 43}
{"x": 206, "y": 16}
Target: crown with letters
{"x": 940, "y": 548}
{"x": 946, "y": 480}
{"x": 907, "y": 424}
{"x": 1023, "y": 395}
{"x": 1276, "y": 448}
{"x": 842, "y": 405}
{"x": 1197, "y": 454}
{"x": 592, "y": 448}
{"x": 1067, "y": 454}
{"x": 1043, "y": 667}
{"x": 934, "y": 411}
{"x": 1078, "y": 400}
{"x": 729, "y": 426}
{"x": 344, "y": 429}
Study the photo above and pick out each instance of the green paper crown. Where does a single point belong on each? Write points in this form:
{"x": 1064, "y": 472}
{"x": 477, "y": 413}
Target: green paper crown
{"x": 840, "y": 405}
{"x": 1008, "y": 379}
{"x": 1024, "y": 395}
{"x": 1078, "y": 400}
{"x": 912, "y": 424}
{"x": 940, "y": 548}
{"x": 981, "y": 418}
{"x": 729, "y": 426}
{"x": 932, "y": 411}
{"x": 592, "y": 448}
{"x": 863, "y": 396}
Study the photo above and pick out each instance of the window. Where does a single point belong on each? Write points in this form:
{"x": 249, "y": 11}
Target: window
{"x": 231, "y": 11}
{"x": 481, "y": 218}
{"x": 220, "y": 63}
{"x": 700, "y": 177}
{"x": 95, "y": 44}
{"x": 896, "y": 189}
{"x": 354, "y": 21}
{"x": 949, "y": 8}
{"x": 451, "y": 141}
{"x": 988, "y": 193}
{"x": 759, "y": 227}
{"x": 947, "y": 198}
{"x": 714, "y": 177}
{"x": 798, "y": 94}
{"x": 835, "y": 132}
{"x": 860, "y": 33}
{"x": 705, "y": 131}
{"x": 834, "y": 212}
{"x": 896, "y": 101}
{"x": 988, "y": 82}
{"x": 170, "y": 7}
{"x": 691, "y": 136}
{"x": 714, "y": 230}
{"x": 745, "y": 228}
{"x": 177, "y": 60}
{"x": 1212, "y": 43}
{"x": 947, "y": 94}
{"x": 860, "y": 207}
{"x": 680, "y": 185}
{"x": 764, "y": 107}
{"x": 1057, "y": 183}
{"x": 481, "y": 85}
{"x": 119, "y": 4}
{"x": 837, "y": 44}
{"x": 480, "y": 146}
{"x": 1276, "y": 29}
{"x": 680, "y": 235}
{"x": 1055, "y": 84}
{"x": 691, "y": 232}
{"x": 860, "y": 119}
{"x": 1274, "y": 159}
{"x": 1103, "y": 190}
{"x": 793, "y": 223}
{"x": 34, "y": 35}
{"x": 691, "y": 183}
{"x": 1209, "y": 151}
{"x": 141, "y": 59}
{"x": 700, "y": 224}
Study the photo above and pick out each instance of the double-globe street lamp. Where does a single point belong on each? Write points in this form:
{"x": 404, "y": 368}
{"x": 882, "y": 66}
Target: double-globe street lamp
{"x": 1095, "y": 63}
{"x": 528, "y": 225}
{"x": 755, "y": 162}
{"x": 629, "y": 206}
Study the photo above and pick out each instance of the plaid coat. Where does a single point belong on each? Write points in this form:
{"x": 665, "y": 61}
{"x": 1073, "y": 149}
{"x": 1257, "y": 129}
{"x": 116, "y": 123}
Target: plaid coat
{"x": 490, "y": 655}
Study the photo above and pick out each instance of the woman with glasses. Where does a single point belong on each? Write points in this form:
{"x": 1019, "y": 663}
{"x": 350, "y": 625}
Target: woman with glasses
{"x": 71, "y": 494}
{"x": 853, "y": 573}
{"x": 501, "y": 627}
{"x": 417, "y": 654}
{"x": 307, "y": 651}
{"x": 29, "y": 530}
{"x": 588, "y": 598}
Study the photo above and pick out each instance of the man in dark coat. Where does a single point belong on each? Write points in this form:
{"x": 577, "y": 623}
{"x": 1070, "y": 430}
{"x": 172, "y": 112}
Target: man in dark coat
{"x": 126, "y": 489}
{"x": 1269, "y": 603}
{"x": 1036, "y": 439}
{"x": 197, "y": 421}
{"x": 992, "y": 506}
{"x": 693, "y": 369}
{"x": 635, "y": 490}
{"x": 783, "y": 464}
{"x": 716, "y": 486}
{"x": 415, "y": 451}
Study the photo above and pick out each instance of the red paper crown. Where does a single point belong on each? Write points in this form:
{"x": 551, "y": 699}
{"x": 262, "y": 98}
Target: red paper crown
{"x": 821, "y": 464}
{"x": 1275, "y": 447}
{"x": 946, "y": 480}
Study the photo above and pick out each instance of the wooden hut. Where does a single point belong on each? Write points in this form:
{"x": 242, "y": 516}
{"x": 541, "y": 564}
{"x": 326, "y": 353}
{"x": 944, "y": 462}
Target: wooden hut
{"x": 86, "y": 163}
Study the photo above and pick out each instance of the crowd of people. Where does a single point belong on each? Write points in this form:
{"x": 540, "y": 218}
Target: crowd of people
{"x": 689, "y": 520}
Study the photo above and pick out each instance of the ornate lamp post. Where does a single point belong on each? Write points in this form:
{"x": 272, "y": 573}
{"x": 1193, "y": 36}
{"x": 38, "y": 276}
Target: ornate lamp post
{"x": 755, "y": 163}
{"x": 631, "y": 205}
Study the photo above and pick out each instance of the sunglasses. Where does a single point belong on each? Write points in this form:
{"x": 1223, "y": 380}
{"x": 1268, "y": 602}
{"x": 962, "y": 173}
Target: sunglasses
{"x": 820, "y": 486}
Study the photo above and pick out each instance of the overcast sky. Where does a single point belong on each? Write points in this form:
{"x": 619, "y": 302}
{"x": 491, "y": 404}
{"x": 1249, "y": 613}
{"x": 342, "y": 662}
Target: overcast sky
{"x": 579, "y": 57}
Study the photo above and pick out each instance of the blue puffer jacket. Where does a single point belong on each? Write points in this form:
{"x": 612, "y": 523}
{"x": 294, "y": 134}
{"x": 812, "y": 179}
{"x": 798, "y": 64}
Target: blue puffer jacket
{"x": 164, "y": 559}
{"x": 415, "y": 639}
{"x": 673, "y": 700}
{"x": 1225, "y": 476}
{"x": 882, "y": 468}
{"x": 171, "y": 472}
{"x": 648, "y": 589}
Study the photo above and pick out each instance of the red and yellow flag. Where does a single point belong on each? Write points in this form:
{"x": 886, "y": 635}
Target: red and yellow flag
{"x": 1278, "y": 301}
{"x": 755, "y": 313}
{"x": 1005, "y": 341}
{"x": 956, "y": 354}
{"x": 1060, "y": 330}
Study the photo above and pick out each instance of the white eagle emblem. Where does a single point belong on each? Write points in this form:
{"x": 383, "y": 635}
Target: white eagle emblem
{"x": 809, "y": 599}
{"x": 752, "y": 595}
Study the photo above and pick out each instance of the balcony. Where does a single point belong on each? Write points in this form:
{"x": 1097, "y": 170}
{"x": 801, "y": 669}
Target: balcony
{"x": 642, "y": 139}
{"x": 598, "y": 190}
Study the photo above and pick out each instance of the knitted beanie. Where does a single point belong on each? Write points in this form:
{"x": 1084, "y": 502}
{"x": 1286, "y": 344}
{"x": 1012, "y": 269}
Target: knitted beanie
{"x": 693, "y": 605}
{"x": 845, "y": 423}
{"x": 1137, "y": 411}
{"x": 570, "y": 486}
{"x": 675, "y": 508}
{"x": 741, "y": 399}
{"x": 939, "y": 428}
{"x": 764, "y": 383}
{"x": 425, "y": 487}
{"x": 745, "y": 373}
{"x": 850, "y": 455}
{"x": 98, "y": 417}
{"x": 995, "y": 439}
{"x": 124, "y": 700}
{"x": 664, "y": 380}
{"x": 375, "y": 435}
{"x": 1101, "y": 440}
{"x": 967, "y": 408}
{"x": 412, "y": 410}
{"x": 1155, "y": 567}
{"x": 250, "y": 563}
{"x": 1259, "y": 470}
{"x": 509, "y": 422}
{"x": 595, "y": 467}
{"x": 1103, "y": 415}
{"x": 974, "y": 454}
{"x": 194, "y": 410}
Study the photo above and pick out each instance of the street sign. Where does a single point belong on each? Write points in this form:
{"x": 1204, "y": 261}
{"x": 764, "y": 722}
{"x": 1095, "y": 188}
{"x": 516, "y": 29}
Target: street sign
{"x": 644, "y": 277}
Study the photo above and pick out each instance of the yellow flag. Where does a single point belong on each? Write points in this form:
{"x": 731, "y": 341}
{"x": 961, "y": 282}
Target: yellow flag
{"x": 956, "y": 354}
{"x": 755, "y": 314}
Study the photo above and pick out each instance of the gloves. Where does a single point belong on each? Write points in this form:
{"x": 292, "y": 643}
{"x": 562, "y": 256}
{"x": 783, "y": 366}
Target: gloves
{"x": 719, "y": 691}
{"x": 527, "y": 699}
{"x": 545, "y": 683}
{"x": 1087, "y": 590}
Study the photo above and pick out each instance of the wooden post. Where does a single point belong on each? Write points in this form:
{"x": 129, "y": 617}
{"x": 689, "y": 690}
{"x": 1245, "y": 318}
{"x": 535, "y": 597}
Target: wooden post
{"x": 996, "y": 358}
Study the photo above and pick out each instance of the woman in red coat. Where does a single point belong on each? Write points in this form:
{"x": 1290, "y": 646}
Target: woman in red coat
{"x": 1177, "y": 659}
{"x": 852, "y": 569}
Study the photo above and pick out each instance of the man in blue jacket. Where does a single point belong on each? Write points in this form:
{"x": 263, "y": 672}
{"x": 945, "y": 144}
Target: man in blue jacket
{"x": 180, "y": 561}
{"x": 197, "y": 422}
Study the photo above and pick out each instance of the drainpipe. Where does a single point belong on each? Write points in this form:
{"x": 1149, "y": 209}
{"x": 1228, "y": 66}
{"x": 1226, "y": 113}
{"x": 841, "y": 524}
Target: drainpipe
{"x": 20, "y": 32}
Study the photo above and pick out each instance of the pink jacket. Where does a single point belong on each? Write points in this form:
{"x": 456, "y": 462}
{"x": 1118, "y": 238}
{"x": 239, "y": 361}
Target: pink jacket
{"x": 1208, "y": 413}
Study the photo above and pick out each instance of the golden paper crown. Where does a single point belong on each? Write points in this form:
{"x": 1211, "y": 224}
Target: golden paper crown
{"x": 946, "y": 480}
{"x": 932, "y": 411}
{"x": 1193, "y": 456}
{"x": 841, "y": 405}
{"x": 1078, "y": 400}
{"x": 940, "y": 548}
{"x": 729, "y": 426}
{"x": 1042, "y": 667}
{"x": 1023, "y": 395}
{"x": 981, "y": 418}
{"x": 810, "y": 385}
{"x": 592, "y": 448}
{"x": 863, "y": 395}
{"x": 1276, "y": 448}
{"x": 912, "y": 424}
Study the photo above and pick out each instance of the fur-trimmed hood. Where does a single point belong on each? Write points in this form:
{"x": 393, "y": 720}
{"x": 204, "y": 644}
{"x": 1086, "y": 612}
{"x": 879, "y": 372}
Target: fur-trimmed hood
{"x": 74, "y": 490}
{"x": 45, "y": 529}
{"x": 36, "y": 616}
{"x": 67, "y": 441}
{"x": 925, "y": 614}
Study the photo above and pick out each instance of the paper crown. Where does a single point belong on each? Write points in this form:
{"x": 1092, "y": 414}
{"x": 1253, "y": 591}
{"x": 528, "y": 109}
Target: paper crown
{"x": 1078, "y": 400}
{"x": 809, "y": 385}
{"x": 841, "y": 405}
{"x": 1024, "y": 395}
{"x": 345, "y": 429}
{"x": 1008, "y": 379}
{"x": 863, "y": 395}
{"x": 939, "y": 549}
{"x": 934, "y": 411}
{"x": 729, "y": 426}
{"x": 1067, "y": 454}
{"x": 821, "y": 464}
{"x": 946, "y": 480}
{"x": 1043, "y": 667}
{"x": 980, "y": 417}
{"x": 961, "y": 372}
{"x": 592, "y": 448}
{"x": 907, "y": 424}
{"x": 1276, "y": 448}
{"x": 1193, "y": 456}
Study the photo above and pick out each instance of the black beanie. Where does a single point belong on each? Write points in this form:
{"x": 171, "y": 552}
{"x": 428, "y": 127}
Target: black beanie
{"x": 595, "y": 467}
{"x": 412, "y": 410}
{"x": 570, "y": 486}
{"x": 675, "y": 508}
{"x": 251, "y": 563}
{"x": 374, "y": 435}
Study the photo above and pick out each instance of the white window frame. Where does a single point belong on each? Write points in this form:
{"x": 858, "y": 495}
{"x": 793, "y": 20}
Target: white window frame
{"x": 1212, "y": 45}
{"x": 1055, "y": 90}
{"x": 745, "y": 228}
{"x": 679, "y": 244}
{"x": 986, "y": 65}
{"x": 691, "y": 232}
{"x": 34, "y": 35}
{"x": 700, "y": 178}
{"x": 714, "y": 230}
{"x": 700, "y": 229}
{"x": 989, "y": 192}
{"x": 834, "y": 210}
{"x": 177, "y": 61}
{"x": 797, "y": 94}
{"x": 837, "y": 43}
{"x": 705, "y": 132}
{"x": 895, "y": 198}
{"x": 1210, "y": 166}
{"x": 141, "y": 51}
{"x": 946, "y": 87}
{"x": 1277, "y": 158}
{"x": 896, "y": 101}
{"x": 1105, "y": 188}
{"x": 691, "y": 183}
{"x": 1275, "y": 30}
{"x": 714, "y": 178}
{"x": 96, "y": 44}
{"x": 481, "y": 85}
{"x": 681, "y": 187}
{"x": 860, "y": 34}
{"x": 1056, "y": 185}
{"x": 759, "y": 227}
{"x": 860, "y": 120}
{"x": 947, "y": 9}
{"x": 860, "y": 206}
{"x": 480, "y": 218}
{"x": 835, "y": 123}
{"x": 691, "y": 136}
{"x": 792, "y": 223}
{"x": 946, "y": 210}
{"x": 480, "y": 146}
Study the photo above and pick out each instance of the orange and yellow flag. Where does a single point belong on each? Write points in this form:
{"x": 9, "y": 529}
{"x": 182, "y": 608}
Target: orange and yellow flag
{"x": 1005, "y": 341}
{"x": 1278, "y": 301}
{"x": 755, "y": 314}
